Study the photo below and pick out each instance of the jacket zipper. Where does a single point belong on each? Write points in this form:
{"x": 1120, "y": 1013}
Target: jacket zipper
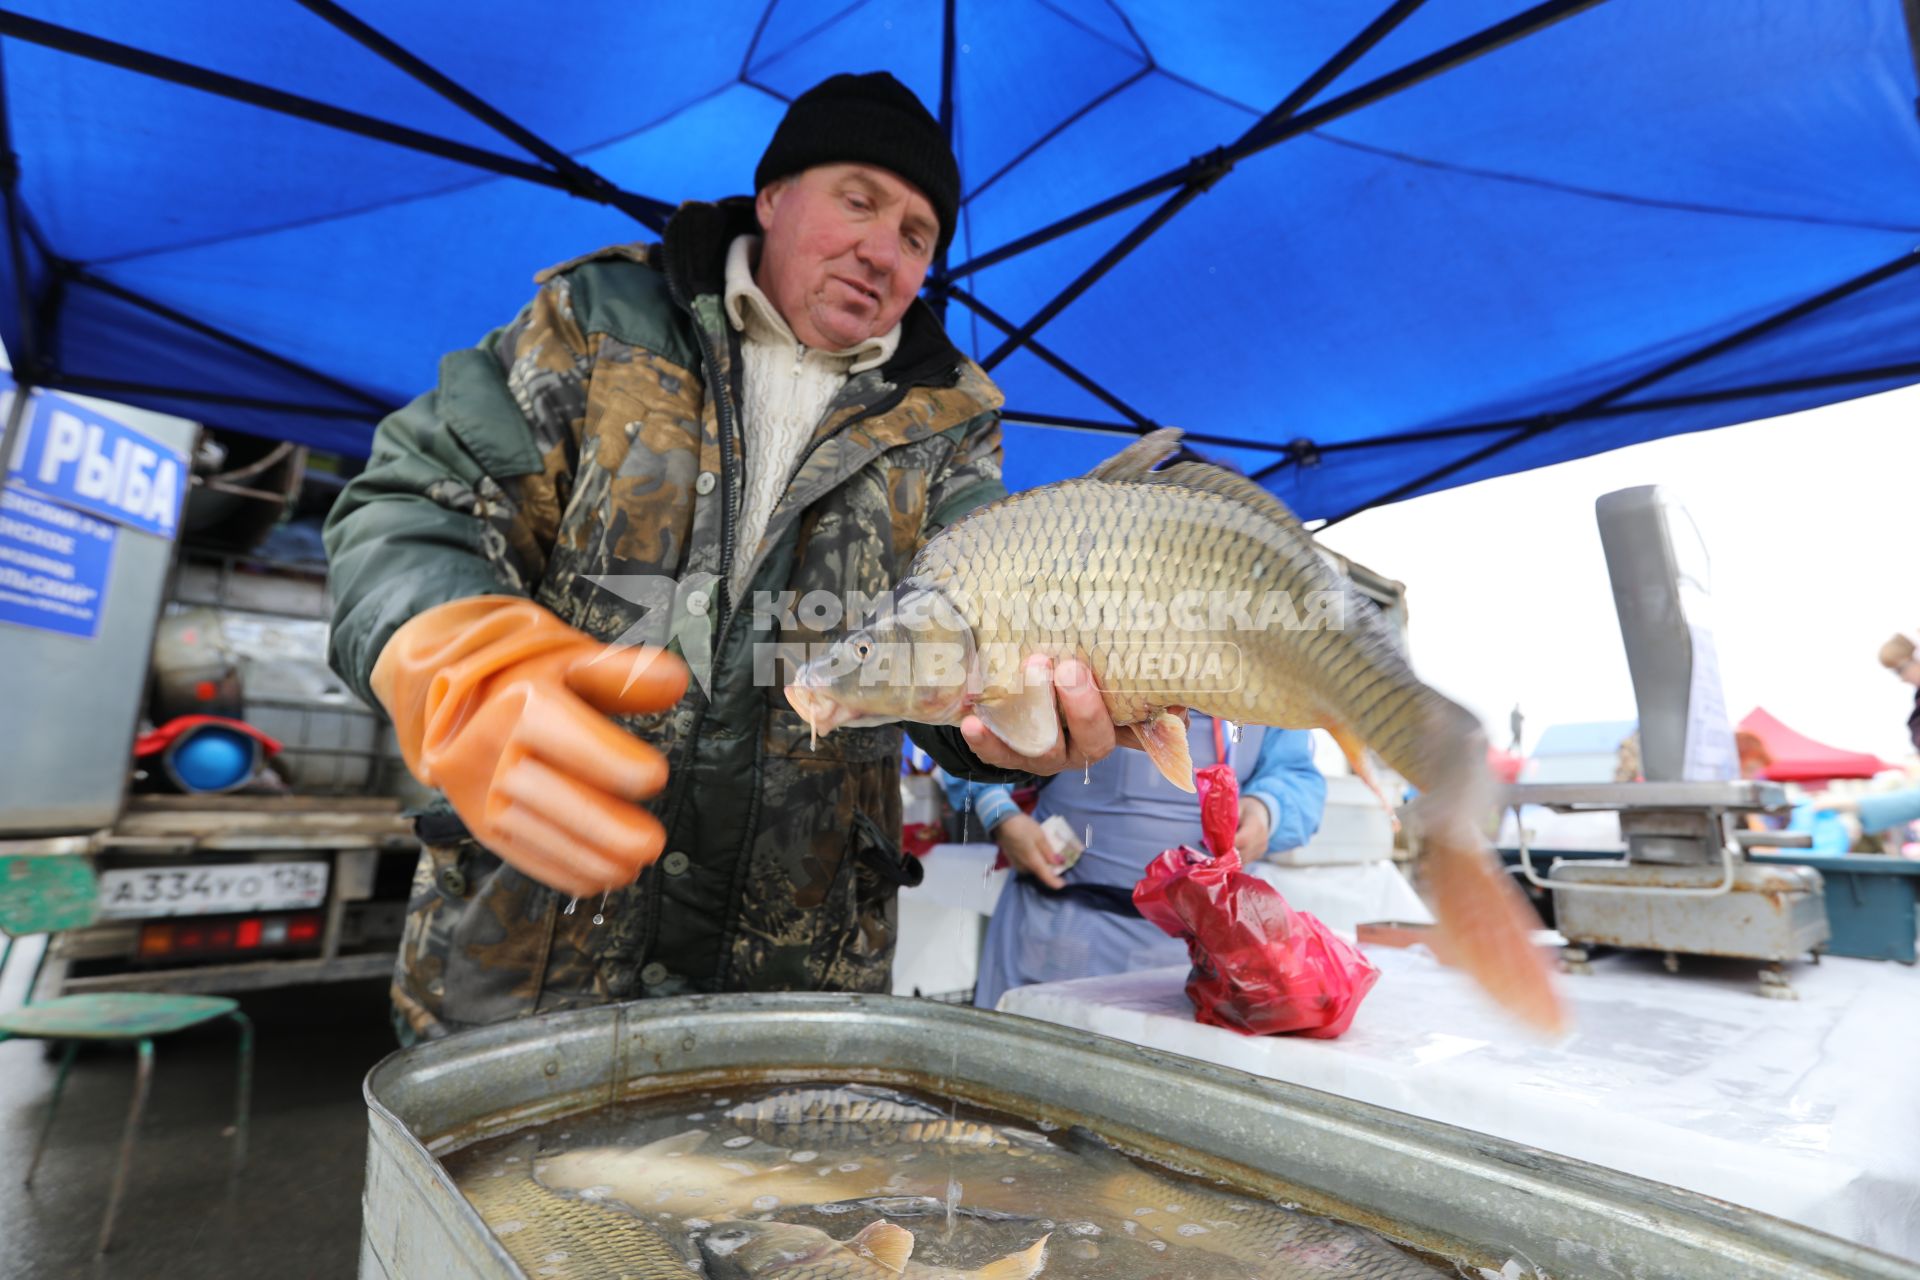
{"x": 729, "y": 492}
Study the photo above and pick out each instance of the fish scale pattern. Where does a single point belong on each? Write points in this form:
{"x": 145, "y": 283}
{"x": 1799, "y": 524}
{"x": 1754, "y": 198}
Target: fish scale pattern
{"x": 1180, "y": 595}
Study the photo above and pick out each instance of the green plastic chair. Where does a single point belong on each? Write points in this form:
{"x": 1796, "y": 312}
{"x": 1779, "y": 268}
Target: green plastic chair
{"x": 46, "y": 893}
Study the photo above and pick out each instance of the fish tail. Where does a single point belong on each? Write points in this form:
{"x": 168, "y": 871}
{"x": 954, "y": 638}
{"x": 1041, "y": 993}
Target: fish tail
{"x": 1486, "y": 925}
{"x": 1017, "y": 1266}
{"x": 1485, "y": 922}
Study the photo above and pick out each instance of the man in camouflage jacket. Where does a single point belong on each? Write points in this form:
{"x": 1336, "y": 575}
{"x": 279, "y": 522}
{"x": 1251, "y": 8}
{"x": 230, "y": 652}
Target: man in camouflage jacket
{"x": 589, "y": 455}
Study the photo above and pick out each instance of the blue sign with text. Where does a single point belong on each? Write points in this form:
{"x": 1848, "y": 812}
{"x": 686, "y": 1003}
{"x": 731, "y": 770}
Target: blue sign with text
{"x": 53, "y": 564}
{"x": 84, "y": 459}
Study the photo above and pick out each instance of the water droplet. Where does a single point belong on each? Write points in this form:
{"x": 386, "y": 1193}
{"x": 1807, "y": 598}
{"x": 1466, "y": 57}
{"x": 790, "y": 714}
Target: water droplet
{"x": 1086, "y": 776}
{"x": 697, "y": 1224}
{"x": 1191, "y": 1229}
{"x": 1158, "y": 1246}
{"x": 571, "y": 904}
{"x": 804, "y": 1157}
{"x": 1233, "y": 732}
{"x": 763, "y": 1203}
{"x": 741, "y": 1141}
{"x": 1086, "y": 837}
{"x": 598, "y": 918}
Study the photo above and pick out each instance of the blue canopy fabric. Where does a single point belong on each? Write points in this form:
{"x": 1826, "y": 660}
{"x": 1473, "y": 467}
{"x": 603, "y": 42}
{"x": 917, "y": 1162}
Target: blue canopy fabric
{"x": 1361, "y": 249}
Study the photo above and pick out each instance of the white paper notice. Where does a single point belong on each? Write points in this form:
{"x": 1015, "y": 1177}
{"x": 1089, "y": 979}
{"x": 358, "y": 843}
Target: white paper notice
{"x": 1711, "y": 755}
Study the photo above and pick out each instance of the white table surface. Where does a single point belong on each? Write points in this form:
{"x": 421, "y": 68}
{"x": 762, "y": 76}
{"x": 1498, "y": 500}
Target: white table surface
{"x": 1808, "y": 1109}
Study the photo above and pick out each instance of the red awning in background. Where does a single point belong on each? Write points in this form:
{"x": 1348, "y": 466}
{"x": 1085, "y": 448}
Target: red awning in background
{"x": 1798, "y": 758}
{"x": 1503, "y": 765}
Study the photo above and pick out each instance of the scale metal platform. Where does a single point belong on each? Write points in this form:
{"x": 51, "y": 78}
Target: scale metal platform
{"x": 1683, "y": 885}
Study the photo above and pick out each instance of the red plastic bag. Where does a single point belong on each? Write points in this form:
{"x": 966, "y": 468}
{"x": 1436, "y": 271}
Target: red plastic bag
{"x": 1259, "y": 966}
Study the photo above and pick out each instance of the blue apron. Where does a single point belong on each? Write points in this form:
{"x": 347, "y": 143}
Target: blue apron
{"x": 1135, "y": 815}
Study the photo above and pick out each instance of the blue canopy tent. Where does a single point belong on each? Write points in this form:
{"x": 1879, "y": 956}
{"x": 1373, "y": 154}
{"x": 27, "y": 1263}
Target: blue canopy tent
{"x": 1362, "y": 249}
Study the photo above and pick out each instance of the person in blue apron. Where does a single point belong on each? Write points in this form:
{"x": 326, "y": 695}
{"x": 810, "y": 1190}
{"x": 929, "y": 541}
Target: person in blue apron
{"x": 1051, "y": 924}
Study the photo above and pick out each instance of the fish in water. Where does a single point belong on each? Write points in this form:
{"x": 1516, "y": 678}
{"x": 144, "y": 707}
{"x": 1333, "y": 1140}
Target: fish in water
{"x": 880, "y": 1251}
{"x": 550, "y": 1234}
{"x": 854, "y": 1114}
{"x": 1184, "y": 587}
{"x": 1280, "y": 1244}
{"x": 674, "y": 1175}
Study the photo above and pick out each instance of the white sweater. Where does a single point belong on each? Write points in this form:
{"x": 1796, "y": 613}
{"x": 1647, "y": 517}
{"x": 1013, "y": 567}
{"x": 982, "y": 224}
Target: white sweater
{"x": 785, "y": 389}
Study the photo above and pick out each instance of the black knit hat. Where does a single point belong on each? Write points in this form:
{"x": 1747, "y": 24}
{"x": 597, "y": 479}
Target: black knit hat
{"x": 870, "y": 119}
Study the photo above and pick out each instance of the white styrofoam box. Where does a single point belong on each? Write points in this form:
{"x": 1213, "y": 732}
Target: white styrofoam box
{"x": 1355, "y": 828}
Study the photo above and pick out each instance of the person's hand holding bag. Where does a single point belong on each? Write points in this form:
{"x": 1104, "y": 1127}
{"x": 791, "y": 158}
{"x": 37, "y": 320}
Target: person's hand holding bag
{"x": 505, "y": 708}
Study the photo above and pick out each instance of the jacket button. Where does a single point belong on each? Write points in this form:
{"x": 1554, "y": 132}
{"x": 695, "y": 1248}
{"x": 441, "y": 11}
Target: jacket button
{"x": 704, "y": 484}
{"x": 453, "y": 882}
{"x": 676, "y": 863}
{"x": 654, "y": 974}
{"x": 697, "y": 603}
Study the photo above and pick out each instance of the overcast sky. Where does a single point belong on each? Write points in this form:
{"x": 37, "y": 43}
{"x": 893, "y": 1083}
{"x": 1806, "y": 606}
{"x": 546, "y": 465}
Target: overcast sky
{"x": 1810, "y": 520}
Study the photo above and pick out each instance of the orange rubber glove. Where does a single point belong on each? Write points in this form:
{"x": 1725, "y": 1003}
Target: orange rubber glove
{"x": 499, "y": 704}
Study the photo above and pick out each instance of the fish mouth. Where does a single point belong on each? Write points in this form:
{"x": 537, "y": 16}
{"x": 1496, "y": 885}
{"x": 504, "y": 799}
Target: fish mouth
{"x": 818, "y": 708}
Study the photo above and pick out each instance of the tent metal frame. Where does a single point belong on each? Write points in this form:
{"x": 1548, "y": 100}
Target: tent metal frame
{"x": 1289, "y": 119}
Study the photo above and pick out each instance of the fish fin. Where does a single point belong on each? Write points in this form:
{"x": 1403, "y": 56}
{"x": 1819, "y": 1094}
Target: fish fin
{"x": 1207, "y": 478}
{"x": 1486, "y": 926}
{"x": 884, "y": 1242}
{"x": 1025, "y": 721}
{"x": 1017, "y": 1266}
{"x": 1362, "y": 764}
{"x": 1165, "y": 738}
{"x": 1138, "y": 458}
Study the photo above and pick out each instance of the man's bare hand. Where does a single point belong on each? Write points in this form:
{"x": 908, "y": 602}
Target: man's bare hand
{"x": 1088, "y": 734}
{"x": 1029, "y": 850}
{"x": 1255, "y": 830}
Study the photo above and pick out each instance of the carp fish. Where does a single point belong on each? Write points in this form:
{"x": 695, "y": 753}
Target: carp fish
{"x": 880, "y": 1251}
{"x": 1276, "y": 1243}
{"x": 856, "y": 1115}
{"x": 674, "y": 1175}
{"x": 1185, "y": 587}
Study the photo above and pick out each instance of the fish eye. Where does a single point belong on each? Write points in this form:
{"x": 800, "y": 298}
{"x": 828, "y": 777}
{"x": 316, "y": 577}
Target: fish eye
{"x": 861, "y": 649}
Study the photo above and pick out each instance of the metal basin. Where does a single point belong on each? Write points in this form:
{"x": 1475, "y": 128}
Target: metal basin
{"x": 1446, "y": 1190}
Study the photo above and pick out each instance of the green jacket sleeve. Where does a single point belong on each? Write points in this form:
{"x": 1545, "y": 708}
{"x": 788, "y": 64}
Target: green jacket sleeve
{"x": 455, "y": 498}
{"x": 970, "y": 480}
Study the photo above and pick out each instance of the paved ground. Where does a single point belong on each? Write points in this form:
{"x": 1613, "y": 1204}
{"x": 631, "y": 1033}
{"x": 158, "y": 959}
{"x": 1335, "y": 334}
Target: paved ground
{"x": 295, "y": 1212}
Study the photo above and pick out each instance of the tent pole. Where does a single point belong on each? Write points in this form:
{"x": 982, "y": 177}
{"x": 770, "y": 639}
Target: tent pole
{"x": 1303, "y": 93}
{"x": 1911, "y": 9}
{"x": 193, "y": 77}
{"x": 26, "y": 362}
{"x": 998, "y": 321}
{"x": 1721, "y": 395}
{"x": 1462, "y": 51}
{"x": 1760, "y": 328}
{"x": 1123, "y": 429}
{"x": 201, "y": 327}
{"x": 116, "y": 386}
{"x": 580, "y": 179}
{"x": 937, "y": 285}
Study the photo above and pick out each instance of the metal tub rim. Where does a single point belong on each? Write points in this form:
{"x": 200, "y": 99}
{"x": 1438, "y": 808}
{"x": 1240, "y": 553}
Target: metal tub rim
{"x": 1438, "y": 1187}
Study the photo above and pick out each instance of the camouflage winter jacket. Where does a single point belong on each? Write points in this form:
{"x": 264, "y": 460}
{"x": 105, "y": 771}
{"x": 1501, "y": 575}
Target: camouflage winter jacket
{"x": 590, "y": 455}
